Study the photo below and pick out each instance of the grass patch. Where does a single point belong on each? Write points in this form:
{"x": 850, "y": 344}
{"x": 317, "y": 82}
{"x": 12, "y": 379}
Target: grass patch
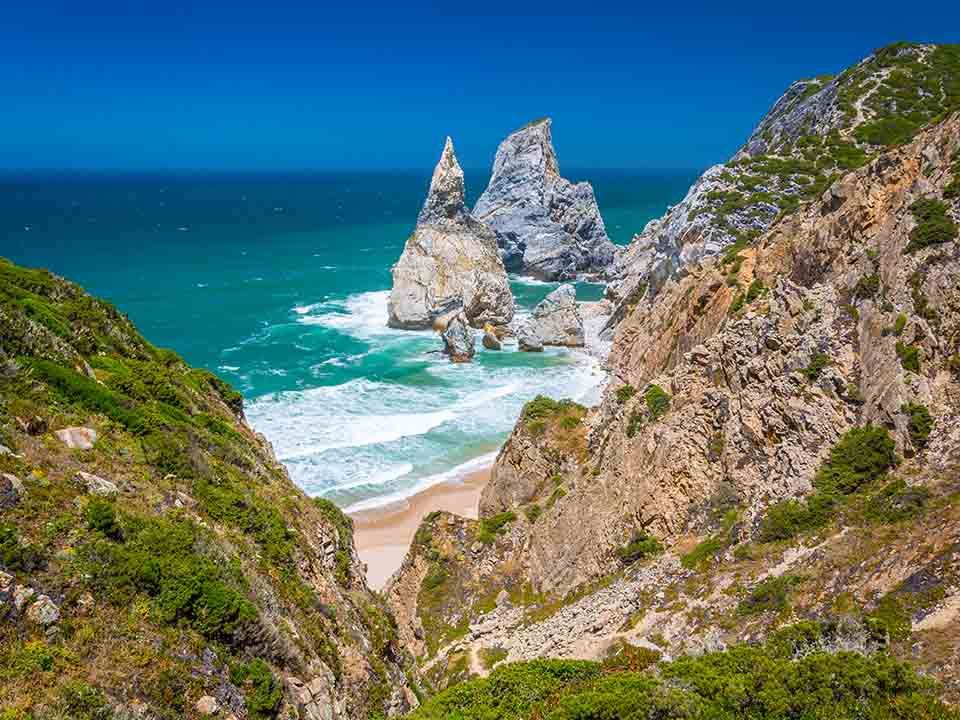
{"x": 909, "y": 356}
{"x": 640, "y": 547}
{"x": 493, "y": 526}
{"x": 919, "y": 425}
{"x": 768, "y": 595}
{"x": 818, "y": 361}
{"x": 934, "y": 225}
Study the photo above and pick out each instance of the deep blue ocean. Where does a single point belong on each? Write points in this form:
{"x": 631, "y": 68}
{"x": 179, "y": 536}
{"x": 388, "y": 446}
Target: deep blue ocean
{"x": 279, "y": 284}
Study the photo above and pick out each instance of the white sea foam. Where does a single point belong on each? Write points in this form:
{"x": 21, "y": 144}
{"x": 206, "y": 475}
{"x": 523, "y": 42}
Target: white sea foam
{"x": 527, "y": 280}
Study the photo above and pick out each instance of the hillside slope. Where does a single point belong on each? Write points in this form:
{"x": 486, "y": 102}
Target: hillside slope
{"x": 155, "y": 559}
{"x": 778, "y": 441}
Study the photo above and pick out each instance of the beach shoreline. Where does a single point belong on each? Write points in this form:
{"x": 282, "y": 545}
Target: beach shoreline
{"x": 383, "y": 534}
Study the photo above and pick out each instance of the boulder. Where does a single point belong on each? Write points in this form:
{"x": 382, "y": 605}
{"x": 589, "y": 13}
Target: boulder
{"x": 22, "y": 594}
{"x": 528, "y": 339}
{"x": 43, "y": 611}
{"x": 557, "y": 319}
{"x": 96, "y": 485}
{"x": 458, "y": 340}
{"x": 77, "y": 438}
{"x": 207, "y": 705}
{"x": 546, "y": 226}
{"x": 11, "y": 488}
{"x": 450, "y": 263}
{"x": 491, "y": 341}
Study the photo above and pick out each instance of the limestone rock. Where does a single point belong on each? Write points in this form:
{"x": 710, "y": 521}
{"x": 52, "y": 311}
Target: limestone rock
{"x": 546, "y": 226}
{"x": 22, "y": 594}
{"x": 491, "y": 341}
{"x": 11, "y": 488}
{"x": 43, "y": 611}
{"x": 4, "y": 450}
{"x": 77, "y": 438}
{"x": 557, "y": 319}
{"x": 450, "y": 262}
{"x": 207, "y": 705}
{"x": 458, "y": 340}
{"x": 528, "y": 339}
{"x": 95, "y": 484}
{"x": 7, "y": 585}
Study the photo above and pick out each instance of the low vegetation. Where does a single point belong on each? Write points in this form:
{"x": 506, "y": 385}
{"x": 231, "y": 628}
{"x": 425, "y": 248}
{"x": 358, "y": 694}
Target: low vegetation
{"x": 640, "y": 547}
{"x": 790, "y": 676}
{"x": 934, "y": 225}
{"x": 862, "y": 456}
{"x": 493, "y": 526}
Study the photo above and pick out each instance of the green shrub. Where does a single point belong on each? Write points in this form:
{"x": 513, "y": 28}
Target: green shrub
{"x": 899, "y": 324}
{"x": 634, "y": 423}
{"x": 556, "y": 495}
{"x": 897, "y": 501}
{"x": 919, "y": 425}
{"x": 737, "y": 304}
{"x": 934, "y": 225}
{"x": 101, "y": 516}
{"x": 769, "y": 594}
{"x": 756, "y": 289}
{"x": 818, "y": 361}
{"x": 952, "y": 190}
{"x": 640, "y": 547}
{"x": 80, "y": 701}
{"x": 788, "y": 678}
{"x": 161, "y": 559}
{"x": 15, "y": 555}
{"x": 532, "y": 512}
{"x": 909, "y": 356}
{"x": 625, "y": 392}
{"x": 867, "y": 287}
{"x": 658, "y": 401}
{"x": 491, "y": 656}
{"x": 496, "y": 525}
{"x": 862, "y": 456}
{"x": 436, "y": 576}
{"x": 262, "y": 691}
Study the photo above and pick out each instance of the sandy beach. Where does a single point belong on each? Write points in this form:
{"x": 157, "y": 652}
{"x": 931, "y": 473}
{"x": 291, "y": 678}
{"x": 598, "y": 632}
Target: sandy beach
{"x": 384, "y": 534}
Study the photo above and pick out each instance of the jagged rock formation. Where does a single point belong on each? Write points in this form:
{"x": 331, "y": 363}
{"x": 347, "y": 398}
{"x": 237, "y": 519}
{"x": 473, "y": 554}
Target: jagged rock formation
{"x": 451, "y": 261}
{"x": 458, "y": 340}
{"x": 729, "y": 388}
{"x": 169, "y": 534}
{"x": 546, "y": 226}
{"x": 819, "y": 129}
{"x": 556, "y": 319}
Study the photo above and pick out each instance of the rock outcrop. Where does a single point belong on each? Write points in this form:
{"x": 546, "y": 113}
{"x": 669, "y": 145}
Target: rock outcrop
{"x": 820, "y": 128}
{"x": 556, "y": 319}
{"x": 547, "y": 227}
{"x": 450, "y": 262}
{"x": 458, "y": 339}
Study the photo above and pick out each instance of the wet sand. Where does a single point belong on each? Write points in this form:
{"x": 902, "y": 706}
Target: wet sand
{"x": 383, "y": 535}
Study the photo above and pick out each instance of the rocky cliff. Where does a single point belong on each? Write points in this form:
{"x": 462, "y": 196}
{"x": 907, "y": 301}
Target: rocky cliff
{"x": 451, "y": 262}
{"x": 156, "y": 561}
{"x": 818, "y": 130}
{"x": 777, "y": 436}
{"x": 546, "y": 226}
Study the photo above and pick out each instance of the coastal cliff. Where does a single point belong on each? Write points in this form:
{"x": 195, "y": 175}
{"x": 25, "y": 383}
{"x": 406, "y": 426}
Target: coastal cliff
{"x": 450, "y": 263}
{"x": 156, "y": 561}
{"x": 547, "y": 227}
{"x": 777, "y": 441}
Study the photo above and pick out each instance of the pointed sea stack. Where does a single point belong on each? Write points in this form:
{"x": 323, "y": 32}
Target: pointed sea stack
{"x": 451, "y": 262}
{"x": 546, "y": 226}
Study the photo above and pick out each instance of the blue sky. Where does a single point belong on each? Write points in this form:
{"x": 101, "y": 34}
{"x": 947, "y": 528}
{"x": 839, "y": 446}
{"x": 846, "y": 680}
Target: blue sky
{"x": 363, "y": 85}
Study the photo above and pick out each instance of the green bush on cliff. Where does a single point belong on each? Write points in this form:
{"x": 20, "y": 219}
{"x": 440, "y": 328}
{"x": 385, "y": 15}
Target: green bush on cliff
{"x": 658, "y": 401}
{"x": 768, "y": 594}
{"x": 818, "y": 361}
{"x": 262, "y": 691}
{"x": 909, "y": 356}
{"x": 496, "y": 525}
{"x": 862, "y": 456}
{"x": 789, "y": 677}
{"x": 897, "y": 501}
{"x": 640, "y": 547}
{"x": 919, "y": 424}
{"x": 934, "y": 225}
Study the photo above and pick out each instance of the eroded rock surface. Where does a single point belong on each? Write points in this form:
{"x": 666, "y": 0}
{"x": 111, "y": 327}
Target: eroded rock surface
{"x": 450, "y": 262}
{"x": 547, "y": 226}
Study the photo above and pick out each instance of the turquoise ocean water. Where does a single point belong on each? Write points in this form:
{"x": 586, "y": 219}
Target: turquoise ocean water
{"x": 279, "y": 284}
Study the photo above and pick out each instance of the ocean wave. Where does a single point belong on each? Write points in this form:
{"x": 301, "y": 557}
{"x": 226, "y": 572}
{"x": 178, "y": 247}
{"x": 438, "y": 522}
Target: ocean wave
{"x": 527, "y": 280}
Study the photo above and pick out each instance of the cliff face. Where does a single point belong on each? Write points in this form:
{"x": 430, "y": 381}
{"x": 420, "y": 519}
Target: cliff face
{"x": 451, "y": 261}
{"x": 742, "y": 383}
{"x": 546, "y": 226}
{"x": 818, "y": 130}
{"x": 155, "y": 559}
